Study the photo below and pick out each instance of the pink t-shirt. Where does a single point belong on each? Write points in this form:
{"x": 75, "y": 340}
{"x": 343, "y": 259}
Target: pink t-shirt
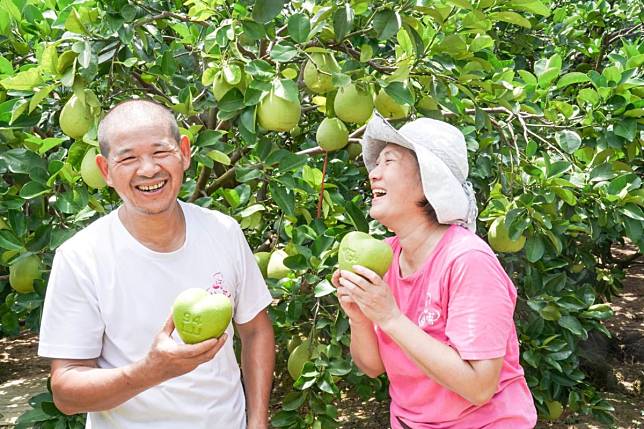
{"x": 463, "y": 298}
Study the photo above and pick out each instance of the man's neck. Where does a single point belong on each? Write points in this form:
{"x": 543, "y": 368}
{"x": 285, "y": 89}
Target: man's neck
{"x": 162, "y": 232}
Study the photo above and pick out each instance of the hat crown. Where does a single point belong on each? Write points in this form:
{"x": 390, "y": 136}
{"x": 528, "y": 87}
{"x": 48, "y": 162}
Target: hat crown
{"x": 443, "y": 140}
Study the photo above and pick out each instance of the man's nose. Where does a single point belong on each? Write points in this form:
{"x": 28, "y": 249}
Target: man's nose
{"x": 148, "y": 167}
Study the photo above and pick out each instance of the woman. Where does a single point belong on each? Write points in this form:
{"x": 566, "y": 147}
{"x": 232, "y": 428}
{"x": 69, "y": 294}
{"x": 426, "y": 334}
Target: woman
{"x": 440, "y": 321}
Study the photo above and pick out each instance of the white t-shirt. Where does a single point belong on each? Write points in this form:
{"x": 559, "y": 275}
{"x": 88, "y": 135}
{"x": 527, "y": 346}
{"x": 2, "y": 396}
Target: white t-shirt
{"x": 109, "y": 296}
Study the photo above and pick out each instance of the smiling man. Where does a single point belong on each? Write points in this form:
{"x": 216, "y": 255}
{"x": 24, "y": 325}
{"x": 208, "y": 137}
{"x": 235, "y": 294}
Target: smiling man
{"x": 106, "y": 320}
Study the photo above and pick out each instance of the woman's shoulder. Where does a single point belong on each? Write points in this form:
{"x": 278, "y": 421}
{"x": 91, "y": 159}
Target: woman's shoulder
{"x": 463, "y": 241}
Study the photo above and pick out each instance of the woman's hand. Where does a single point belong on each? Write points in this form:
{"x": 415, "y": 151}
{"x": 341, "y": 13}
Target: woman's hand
{"x": 371, "y": 294}
{"x": 346, "y": 301}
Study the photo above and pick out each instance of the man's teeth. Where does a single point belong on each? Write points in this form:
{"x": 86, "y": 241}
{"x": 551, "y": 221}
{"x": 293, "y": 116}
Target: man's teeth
{"x": 152, "y": 187}
{"x": 379, "y": 193}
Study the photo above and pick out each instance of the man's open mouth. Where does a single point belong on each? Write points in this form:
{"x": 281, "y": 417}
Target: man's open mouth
{"x": 153, "y": 187}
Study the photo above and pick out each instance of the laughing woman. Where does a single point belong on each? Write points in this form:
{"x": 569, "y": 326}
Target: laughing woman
{"x": 440, "y": 321}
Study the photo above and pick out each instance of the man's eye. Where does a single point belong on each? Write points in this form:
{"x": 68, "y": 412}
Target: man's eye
{"x": 128, "y": 159}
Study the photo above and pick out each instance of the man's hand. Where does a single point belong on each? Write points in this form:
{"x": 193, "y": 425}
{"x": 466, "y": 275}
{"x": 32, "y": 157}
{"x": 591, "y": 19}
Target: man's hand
{"x": 168, "y": 359}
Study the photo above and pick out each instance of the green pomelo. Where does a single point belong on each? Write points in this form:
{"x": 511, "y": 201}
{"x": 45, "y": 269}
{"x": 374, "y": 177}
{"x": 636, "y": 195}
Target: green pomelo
{"x": 353, "y": 105}
{"x": 555, "y": 409}
{"x": 23, "y": 272}
{"x": 276, "y": 268}
{"x": 262, "y": 259}
{"x": 318, "y": 72}
{"x": 332, "y": 134}
{"x": 354, "y": 149}
{"x": 359, "y": 248}
{"x": 277, "y": 114}
{"x": 75, "y": 118}
{"x": 388, "y": 107}
{"x": 199, "y": 315}
{"x": 90, "y": 172}
{"x": 499, "y": 238}
{"x": 298, "y": 357}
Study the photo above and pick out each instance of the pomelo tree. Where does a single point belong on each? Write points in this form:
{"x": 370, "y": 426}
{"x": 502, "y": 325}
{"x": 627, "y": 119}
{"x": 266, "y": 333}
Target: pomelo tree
{"x": 548, "y": 95}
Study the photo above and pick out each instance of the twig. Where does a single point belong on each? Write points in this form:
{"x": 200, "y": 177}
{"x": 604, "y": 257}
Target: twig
{"x": 321, "y": 198}
{"x": 168, "y": 14}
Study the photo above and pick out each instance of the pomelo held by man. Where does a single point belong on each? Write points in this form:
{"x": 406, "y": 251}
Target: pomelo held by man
{"x": 199, "y": 315}
{"x": 359, "y": 248}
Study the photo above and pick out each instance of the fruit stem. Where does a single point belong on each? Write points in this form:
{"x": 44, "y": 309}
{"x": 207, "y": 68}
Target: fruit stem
{"x": 326, "y": 159}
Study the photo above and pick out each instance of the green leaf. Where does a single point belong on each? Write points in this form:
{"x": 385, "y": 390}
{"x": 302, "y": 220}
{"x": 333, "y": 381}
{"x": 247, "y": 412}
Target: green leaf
{"x": 232, "y": 73}
{"x": 572, "y": 324}
{"x": 532, "y": 6}
{"x": 571, "y": 78}
{"x": 33, "y": 189}
{"x": 260, "y": 69}
{"x": 481, "y": 42}
{"x": 386, "y": 23}
{"x": 356, "y": 217}
{"x": 283, "y": 52}
{"x": 323, "y": 288}
{"x": 286, "y": 89}
{"x": 343, "y": 21}
{"x": 39, "y": 96}
{"x": 626, "y": 128}
{"x": 219, "y": 157}
{"x": 293, "y": 400}
{"x": 284, "y": 199}
{"x": 550, "y": 312}
{"x": 299, "y": 27}
{"x": 23, "y": 81}
{"x": 253, "y": 30}
{"x": 633, "y": 211}
{"x": 265, "y": 10}
{"x": 511, "y": 17}
{"x": 534, "y": 249}
{"x": 9, "y": 241}
{"x": 547, "y": 70}
{"x": 400, "y": 93}
{"x": 568, "y": 140}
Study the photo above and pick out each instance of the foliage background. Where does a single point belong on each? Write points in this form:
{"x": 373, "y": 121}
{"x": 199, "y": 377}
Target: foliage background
{"x": 549, "y": 96}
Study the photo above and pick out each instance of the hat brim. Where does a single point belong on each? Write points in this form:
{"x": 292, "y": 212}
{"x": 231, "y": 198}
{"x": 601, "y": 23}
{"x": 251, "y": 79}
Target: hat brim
{"x": 443, "y": 191}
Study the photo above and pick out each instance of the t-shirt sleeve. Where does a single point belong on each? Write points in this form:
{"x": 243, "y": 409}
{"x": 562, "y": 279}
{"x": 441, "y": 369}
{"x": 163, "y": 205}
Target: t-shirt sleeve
{"x": 252, "y": 294}
{"x": 71, "y": 326}
{"x": 480, "y": 307}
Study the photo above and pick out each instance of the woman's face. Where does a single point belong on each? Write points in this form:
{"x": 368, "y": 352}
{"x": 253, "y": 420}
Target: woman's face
{"x": 396, "y": 186}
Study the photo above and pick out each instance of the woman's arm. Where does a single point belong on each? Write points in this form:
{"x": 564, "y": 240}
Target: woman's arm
{"x": 474, "y": 380}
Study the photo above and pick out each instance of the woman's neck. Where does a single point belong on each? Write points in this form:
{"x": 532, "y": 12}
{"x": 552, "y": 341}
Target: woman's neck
{"x": 418, "y": 241}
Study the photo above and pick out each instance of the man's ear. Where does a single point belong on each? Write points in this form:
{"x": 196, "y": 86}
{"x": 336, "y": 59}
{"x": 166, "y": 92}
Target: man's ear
{"x": 184, "y": 147}
{"x": 101, "y": 162}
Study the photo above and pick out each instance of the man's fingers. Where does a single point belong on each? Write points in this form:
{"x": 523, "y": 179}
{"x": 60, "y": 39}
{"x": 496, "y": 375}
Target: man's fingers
{"x": 168, "y": 327}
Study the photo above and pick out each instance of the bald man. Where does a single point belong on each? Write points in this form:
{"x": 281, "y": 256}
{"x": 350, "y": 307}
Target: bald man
{"x": 106, "y": 322}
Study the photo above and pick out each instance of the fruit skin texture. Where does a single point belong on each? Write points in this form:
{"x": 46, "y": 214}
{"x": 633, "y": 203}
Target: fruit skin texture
{"x": 262, "y": 259}
{"x": 353, "y": 105}
{"x": 23, "y": 272}
{"x": 315, "y": 78}
{"x": 332, "y": 134}
{"x": 89, "y": 170}
{"x": 276, "y": 268}
{"x": 75, "y": 118}
{"x": 499, "y": 238}
{"x": 277, "y": 114}
{"x": 298, "y": 357}
{"x": 388, "y": 107}
{"x": 555, "y": 409}
{"x": 199, "y": 315}
{"x": 359, "y": 248}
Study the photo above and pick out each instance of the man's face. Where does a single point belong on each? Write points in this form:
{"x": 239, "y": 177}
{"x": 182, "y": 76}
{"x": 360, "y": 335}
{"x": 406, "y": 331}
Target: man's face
{"x": 145, "y": 166}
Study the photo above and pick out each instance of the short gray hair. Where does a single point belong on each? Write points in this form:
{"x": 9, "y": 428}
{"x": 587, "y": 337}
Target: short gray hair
{"x": 121, "y": 111}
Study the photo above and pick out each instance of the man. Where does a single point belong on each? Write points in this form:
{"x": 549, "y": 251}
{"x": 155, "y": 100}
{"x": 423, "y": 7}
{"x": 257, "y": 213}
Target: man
{"x": 106, "y": 321}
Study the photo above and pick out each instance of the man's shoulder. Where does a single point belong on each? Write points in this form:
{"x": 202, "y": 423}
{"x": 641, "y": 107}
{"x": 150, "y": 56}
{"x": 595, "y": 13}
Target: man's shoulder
{"x": 91, "y": 235}
{"x": 210, "y": 218}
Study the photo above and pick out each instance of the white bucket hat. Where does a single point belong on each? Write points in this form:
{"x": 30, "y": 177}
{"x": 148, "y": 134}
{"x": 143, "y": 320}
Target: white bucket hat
{"x": 442, "y": 158}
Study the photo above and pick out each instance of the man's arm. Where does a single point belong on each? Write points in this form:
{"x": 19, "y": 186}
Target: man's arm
{"x": 258, "y": 362}
{"x": 80, "y": 386}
